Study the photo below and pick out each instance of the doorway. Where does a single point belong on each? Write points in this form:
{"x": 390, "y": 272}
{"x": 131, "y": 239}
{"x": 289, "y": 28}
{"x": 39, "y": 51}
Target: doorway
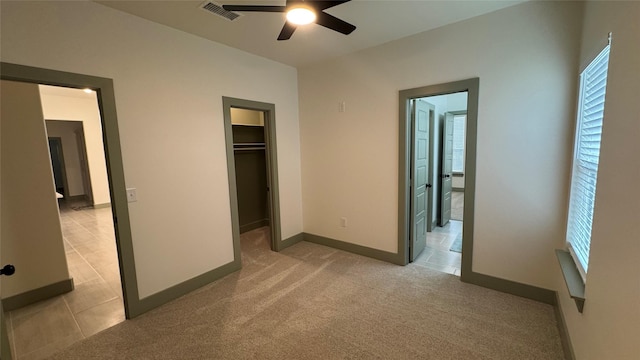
{"x": 250, "y": 133}
{"x": 103, "y": 88}
{"x": 443, "y": 248}
{"x": 70, "y": 143}
{"x": 440, "y": 169}
{"x": 88, "y": 242}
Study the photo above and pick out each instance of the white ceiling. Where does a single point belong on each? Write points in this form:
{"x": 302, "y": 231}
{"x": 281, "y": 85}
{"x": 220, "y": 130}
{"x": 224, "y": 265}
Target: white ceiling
{"x": 377, "y": 21}
{"x": 64, "y": 91}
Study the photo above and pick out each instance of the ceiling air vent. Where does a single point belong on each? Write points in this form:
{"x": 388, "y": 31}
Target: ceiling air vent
{"x": 218, "y": 10}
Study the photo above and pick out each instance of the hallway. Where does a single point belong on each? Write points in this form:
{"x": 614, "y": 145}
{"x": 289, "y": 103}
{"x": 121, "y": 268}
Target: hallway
{"x": 437, "y": 254}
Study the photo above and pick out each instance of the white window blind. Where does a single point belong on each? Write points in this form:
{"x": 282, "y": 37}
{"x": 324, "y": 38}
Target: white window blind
{"x": 593, "y": 84}
{"x": 459, "y": 125}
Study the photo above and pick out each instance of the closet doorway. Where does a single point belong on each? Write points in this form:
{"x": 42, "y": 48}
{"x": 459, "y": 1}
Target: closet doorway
{"x": 252, "y": 167}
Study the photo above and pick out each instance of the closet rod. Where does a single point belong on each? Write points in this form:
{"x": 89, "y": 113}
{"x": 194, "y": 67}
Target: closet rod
{"x": 249, "y": 148}
{"x": 249, "y": 144}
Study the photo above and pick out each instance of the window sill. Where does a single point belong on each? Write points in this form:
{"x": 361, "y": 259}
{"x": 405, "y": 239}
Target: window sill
{"x": 457, "y": 174}
{"x": 572, "y": 278}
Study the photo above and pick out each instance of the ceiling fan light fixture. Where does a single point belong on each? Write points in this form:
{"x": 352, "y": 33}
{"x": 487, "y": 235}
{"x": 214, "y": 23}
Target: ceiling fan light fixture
{"x": 300, "y": 12}
{"x": 301, "y": 16}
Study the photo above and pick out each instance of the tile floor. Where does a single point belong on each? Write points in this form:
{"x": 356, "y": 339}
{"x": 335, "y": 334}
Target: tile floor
{"x": 437, "y": 255}
{"x": 39, "y": 330}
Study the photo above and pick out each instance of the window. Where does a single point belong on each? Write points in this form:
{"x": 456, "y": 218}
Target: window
{"x": 459, "y": 126}
{"x": 593, "y": 84}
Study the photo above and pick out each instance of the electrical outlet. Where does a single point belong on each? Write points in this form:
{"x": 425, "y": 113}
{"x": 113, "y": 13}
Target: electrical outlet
{"x": 343, "y": 222}
{"x": 132, "y": 195}
{"x": 342, "y": 106}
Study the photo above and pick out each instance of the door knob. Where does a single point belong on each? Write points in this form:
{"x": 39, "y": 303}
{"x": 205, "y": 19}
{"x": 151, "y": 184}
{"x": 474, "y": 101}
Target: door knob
{"x": 8, "y": 270}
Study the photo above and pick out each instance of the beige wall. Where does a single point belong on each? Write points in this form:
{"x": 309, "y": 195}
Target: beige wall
{"x": 31, "y": 233}
{"x": 247, "y": 117}
{"x": 609, "y": 328}
{"x": 525, "y": 56}
{"x": 85, "y": 109}
{"x": 169, "y": 107}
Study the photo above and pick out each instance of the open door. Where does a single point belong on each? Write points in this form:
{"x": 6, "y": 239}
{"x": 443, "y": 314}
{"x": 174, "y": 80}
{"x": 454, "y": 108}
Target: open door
{"x": 58, "y": 165}
{"x": 84, "y": 166}
{"x": 447, "y": 162}
{"x": 419, "y": 176}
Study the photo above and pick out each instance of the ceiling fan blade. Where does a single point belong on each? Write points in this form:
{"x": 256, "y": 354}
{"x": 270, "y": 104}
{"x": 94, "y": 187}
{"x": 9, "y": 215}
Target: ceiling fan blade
{"x": 261, "y": 8}
{"x": 333, "y": 23}
{"x": 325, "y": 4}
{"x": 287, "y": 31}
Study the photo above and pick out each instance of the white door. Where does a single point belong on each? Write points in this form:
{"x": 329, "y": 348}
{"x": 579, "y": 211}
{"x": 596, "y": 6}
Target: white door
{"x": 419, "y": 176}
{"x": 446, "y": 172}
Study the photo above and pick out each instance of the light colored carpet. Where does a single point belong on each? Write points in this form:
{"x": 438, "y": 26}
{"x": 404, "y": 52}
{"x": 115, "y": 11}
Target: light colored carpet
{"x": 315, "y": 302}
{"x": 457, "y": 205}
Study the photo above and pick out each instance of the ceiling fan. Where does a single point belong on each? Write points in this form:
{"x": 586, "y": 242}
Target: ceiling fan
{"x": 301, "y": 12}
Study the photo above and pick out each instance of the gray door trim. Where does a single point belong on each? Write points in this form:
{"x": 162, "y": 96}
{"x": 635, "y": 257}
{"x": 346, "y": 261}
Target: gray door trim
{"x": 404, "y": 166}
{"x": 115, "y": 171}
{"x": 432, "y": 152}
{"x": 269, "y": 111}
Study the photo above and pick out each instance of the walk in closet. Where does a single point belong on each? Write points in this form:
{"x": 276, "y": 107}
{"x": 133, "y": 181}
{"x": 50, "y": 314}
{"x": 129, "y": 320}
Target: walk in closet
{"x": 249, "y": 149}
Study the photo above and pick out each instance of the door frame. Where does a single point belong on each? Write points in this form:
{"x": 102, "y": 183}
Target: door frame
{"x": 269, "y": 111}
{"x": 104, "y": 89}
{"x": 471, "y": 86}
{"x": 5, "y": 347}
